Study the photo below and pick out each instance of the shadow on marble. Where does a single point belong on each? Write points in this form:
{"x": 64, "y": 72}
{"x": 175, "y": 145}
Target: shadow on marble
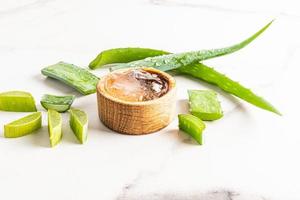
{"x": 41, "y": 138}
{"x": 186, "y": 139}
{"x": 182, "y": 106}
{"x": 60, "y": 87}
{"x": 180, "y": 137}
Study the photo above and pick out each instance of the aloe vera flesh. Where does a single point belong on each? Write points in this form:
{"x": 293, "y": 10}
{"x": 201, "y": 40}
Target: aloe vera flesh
{"x": 54, "y": 127}
{"x": 58, "y": 103}
{"x": 123, "y": 55}
{"x": 79, "y": 124}
{"x": 204, "y": 104}
{"x": 81, "y": 79}
{"x": 192, "y": 125}
{"x": 17, "y": 101}
{"x": 174, "y": 61}
{"x": 23, "y": 126}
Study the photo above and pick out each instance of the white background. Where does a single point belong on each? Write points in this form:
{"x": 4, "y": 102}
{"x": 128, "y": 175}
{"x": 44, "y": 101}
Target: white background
{"x": 248, "y": 154}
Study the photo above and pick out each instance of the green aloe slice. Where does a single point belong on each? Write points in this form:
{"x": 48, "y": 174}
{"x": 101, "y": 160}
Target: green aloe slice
{"x": 81, "y": 79}
{"x": 58, "y": 103}
{"x": 23, "y": 126}
{"x": 191, "y": 125}
{"x": 204, "y": 104}
{"x": 17, "y": 101}
{"x": 54, "y": 127}
{"x": 79, "y": 124}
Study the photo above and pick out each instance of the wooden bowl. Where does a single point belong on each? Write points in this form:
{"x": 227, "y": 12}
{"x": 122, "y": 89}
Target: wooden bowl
{"x": 136, "y": 118}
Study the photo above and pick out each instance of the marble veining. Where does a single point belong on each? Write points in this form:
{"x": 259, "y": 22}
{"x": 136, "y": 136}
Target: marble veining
{"x": 23, "y": 7}
{"x": 197, "y": 5}
{"x": 217, "y": 8}
{"x": 209, "y": 195}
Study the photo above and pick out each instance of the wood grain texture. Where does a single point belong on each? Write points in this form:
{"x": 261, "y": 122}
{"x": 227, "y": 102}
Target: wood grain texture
{"x": 136, "y": 118}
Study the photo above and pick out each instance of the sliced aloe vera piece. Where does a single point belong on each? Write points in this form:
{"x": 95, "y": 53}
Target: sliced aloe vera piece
{"x": 54, "y": 127}
{"x": 79, "y": 124}
{"x": 17, "y": 101}
{"x": 81, "y": 79}
{"x": 205, "y": 105}
{"x": 58, "y": 103}
{"x": 191, "y": 125}
{"x": 23, "y": 126}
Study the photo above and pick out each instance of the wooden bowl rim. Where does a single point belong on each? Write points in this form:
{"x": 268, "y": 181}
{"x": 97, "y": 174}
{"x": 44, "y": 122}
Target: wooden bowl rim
{"x": 171, "y": 81}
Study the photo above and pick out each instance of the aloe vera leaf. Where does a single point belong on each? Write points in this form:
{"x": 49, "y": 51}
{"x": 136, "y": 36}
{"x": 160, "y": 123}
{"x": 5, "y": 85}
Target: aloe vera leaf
{"x": 174, "y": 61}
{"x": 123, "y": 55}
{"x": 205, "y": 105}
{"x": 214, "y": 77}
{"x": 17, "y": 101}
{"x": 191, "y": 125}
{"x": 210, "y": 75}
{"x": 79, "y": 124}
{"x": 54, "y": 127}
{"x": 58, "y": 103}
{"x": 119, "y": 56}
{"x": 23, "y": 126}
{"x": 81, "y": 79}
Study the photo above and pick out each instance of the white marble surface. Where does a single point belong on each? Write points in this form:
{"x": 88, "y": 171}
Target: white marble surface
{"x": 249, "y": 154}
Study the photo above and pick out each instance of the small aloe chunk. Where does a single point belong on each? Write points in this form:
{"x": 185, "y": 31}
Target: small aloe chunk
{"x": 17, "y": 101}
{"x": 205, "y": 105}
{"x": 23, "y": 126}
{"x": 79, "y": 124}
{"x": 58, "y": 103}
{"x": 191, "y": 125}
{"x": 54, "y": 127}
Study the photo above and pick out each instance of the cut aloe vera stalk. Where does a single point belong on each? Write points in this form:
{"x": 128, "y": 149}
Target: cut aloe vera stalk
{"x": 17, "y": 101}
{"x": 205, "y": 105}
{"x": 191, "y": 125}
{"x": 80, "y": 79}
{"x": 79, "y": 124}
{"x": 23, "y": 126}
{"x": 58, "y": 103}
{"x": 54, "y": 127}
